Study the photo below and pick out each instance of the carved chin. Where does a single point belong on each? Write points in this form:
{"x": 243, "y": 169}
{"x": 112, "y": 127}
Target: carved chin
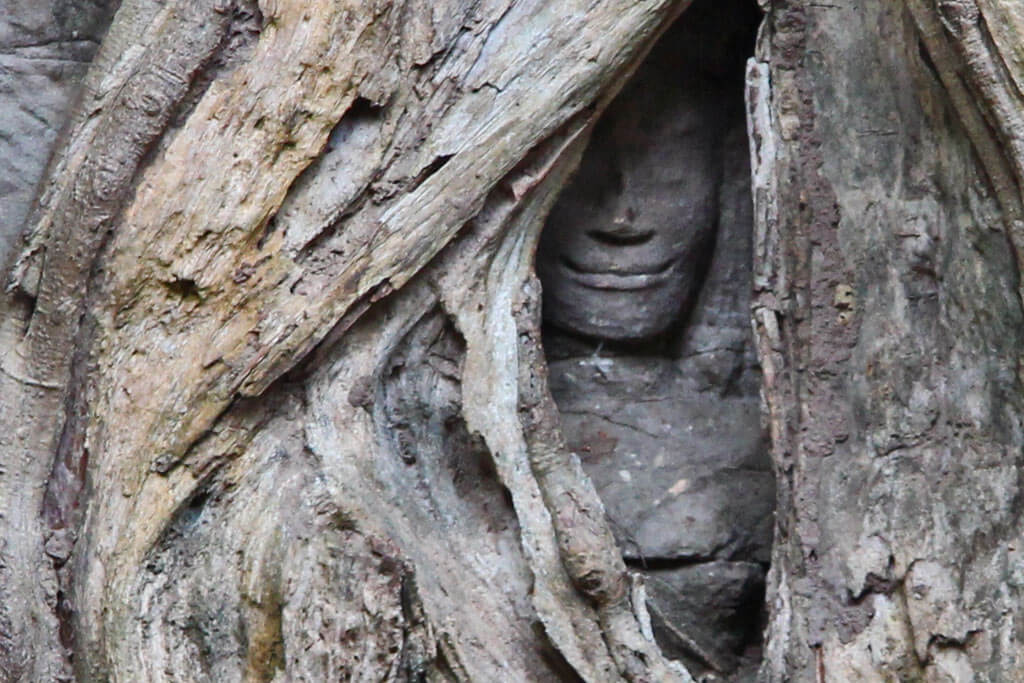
{"x": 613, "y": 315}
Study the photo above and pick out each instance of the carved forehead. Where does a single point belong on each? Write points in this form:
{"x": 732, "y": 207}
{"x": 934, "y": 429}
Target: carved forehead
{"x": 656, "y": 115}
{"x": 655, "y": 132}
{"x": 669, "y": 98}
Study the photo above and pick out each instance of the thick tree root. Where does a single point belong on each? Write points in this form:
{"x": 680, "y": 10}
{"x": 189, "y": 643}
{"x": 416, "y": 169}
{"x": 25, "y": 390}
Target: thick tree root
{"x": 589, "y": 552}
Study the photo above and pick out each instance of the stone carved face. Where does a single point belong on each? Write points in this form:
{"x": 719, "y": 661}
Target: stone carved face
{"x": 621, "y": 254}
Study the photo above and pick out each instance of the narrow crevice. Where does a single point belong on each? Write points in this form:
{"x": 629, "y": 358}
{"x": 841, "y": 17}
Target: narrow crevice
{"x": 639, "y": 276}
{"x": 345, "y": 138}
{"x": 430, "y": 169}
{"x": 656, "y": 564}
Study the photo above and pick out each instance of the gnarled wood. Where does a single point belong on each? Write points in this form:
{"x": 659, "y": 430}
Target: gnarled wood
{"x": 231, "y": 208}
{"x": 887, "y": 195}
{"x": 272, "y": 404}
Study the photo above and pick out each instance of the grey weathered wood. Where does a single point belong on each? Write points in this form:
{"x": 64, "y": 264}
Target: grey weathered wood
{"x": 227, "y": 211}
{"x": 272, "y": 405}
{"x": 887, "y": 192}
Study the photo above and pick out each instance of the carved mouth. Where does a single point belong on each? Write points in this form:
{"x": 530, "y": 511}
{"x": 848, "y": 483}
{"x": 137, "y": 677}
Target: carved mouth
{"x": 621, "y": 237}
{"x": 632, "y": 279}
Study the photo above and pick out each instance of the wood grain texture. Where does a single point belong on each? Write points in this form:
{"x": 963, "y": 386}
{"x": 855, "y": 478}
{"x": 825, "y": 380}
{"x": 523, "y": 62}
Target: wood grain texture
{"x": 257, "y": 208}
{"x": 889, "y": 320}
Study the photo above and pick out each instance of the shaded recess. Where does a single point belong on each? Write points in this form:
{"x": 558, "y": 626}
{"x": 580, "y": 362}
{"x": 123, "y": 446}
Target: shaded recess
{"x": 645, "y": 261}
{"x": 45, "y": 49}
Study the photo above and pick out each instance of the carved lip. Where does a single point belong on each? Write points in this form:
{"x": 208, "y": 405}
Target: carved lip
{"x": 636, "y": 278}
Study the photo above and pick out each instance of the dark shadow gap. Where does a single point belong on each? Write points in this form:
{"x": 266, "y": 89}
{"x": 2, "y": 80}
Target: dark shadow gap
{"x": 645, "y": 261}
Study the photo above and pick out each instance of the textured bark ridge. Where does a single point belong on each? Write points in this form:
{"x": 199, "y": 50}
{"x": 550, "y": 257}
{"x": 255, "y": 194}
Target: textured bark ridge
{"x": 272, "y": 371}
{"x": 272, "y": 397}
{"x": 889, "y": 327}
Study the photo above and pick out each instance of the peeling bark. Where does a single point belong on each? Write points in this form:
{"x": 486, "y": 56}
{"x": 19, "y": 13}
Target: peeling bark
{"x": 888, "y": 318}
{"x": 273, "y": 404}
{"x": 233, "y": 235}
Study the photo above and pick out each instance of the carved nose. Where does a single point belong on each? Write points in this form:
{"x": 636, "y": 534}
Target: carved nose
{"x": 621, "y": 233}
{"x": 625, "y": 218}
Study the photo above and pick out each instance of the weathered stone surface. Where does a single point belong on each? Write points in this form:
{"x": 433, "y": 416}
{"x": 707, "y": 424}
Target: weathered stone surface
{"x": 621, "y": 256}
{"x": 668, "y": 426}
{"x": 685, "y": 479}
{"x": 708, "y": 605}
{"x": 45, "y": 49}
{"x": 681, "y": 468}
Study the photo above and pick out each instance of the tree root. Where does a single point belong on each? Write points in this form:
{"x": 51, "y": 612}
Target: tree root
{"x": 588, "y": 549}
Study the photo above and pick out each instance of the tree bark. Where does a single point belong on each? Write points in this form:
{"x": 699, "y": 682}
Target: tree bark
{"x": 885, "y": 144}
{"x": 273, "y": 404}
{"x": 273, "y": 355}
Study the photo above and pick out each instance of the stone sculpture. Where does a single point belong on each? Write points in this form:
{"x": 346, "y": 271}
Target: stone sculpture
{"x": 645, "y": 263}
